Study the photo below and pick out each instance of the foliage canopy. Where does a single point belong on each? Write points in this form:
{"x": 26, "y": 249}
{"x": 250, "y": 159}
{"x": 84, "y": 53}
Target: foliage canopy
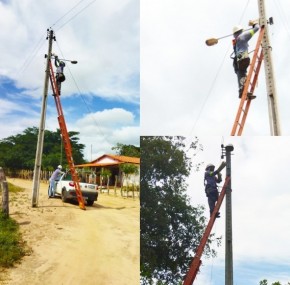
{"x": 127, "y": 150}
{"x": 170, "y": 227}
{"x": 18, "y": 152}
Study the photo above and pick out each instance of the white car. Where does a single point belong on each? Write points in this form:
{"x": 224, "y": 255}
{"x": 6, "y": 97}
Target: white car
{"x": 65, "y": 188}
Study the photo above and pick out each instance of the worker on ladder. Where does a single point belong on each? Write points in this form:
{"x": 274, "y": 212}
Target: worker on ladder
{"x": 241, "y": 55}
{"x": 59, "y": 72}
{"x": 211, "y": 178}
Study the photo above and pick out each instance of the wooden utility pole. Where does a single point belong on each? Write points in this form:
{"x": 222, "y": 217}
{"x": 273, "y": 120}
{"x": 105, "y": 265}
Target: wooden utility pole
{"x": 39, "y": 150}
{"x": 229, "y": 280}
{"x": 269, "y": 74}
{"x": 5, "y": 192}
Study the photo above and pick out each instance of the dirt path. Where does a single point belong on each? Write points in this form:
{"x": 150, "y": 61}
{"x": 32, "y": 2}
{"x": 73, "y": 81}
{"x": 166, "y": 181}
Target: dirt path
{"x": 71, "y": 246}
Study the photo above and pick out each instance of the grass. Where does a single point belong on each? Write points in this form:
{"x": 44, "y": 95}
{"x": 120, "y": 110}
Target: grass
{"x": 12, "y": 248}
{"x": 14, "y": 189}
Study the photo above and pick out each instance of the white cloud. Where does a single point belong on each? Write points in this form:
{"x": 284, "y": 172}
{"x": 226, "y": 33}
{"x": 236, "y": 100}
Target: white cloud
{"x": 103, "y": 38}
{"x": 107, "y": 128}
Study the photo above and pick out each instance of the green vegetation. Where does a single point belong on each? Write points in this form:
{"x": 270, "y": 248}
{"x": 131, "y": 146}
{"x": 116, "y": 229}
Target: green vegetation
{"x": 14, "y": 189}
{"x": 18, "y": 152}
{"x": 170, "y": 227}
{"x": 265, "y": 282}
{"x": 12, "y": 248}
{"x": 127, "y": 150}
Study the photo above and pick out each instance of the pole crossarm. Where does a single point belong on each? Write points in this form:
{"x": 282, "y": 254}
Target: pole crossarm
{"x": 196, "y": 262}
{"x": 249, "y": 87}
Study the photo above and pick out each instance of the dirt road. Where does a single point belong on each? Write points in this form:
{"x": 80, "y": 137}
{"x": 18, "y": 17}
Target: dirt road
{"x": 98, "y": 246}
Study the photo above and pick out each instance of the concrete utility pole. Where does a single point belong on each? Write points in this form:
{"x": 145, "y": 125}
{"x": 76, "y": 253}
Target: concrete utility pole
{"x": 229, "y": 235}
{"x": 38, "y": 156}
{"x": 269, "y": 74}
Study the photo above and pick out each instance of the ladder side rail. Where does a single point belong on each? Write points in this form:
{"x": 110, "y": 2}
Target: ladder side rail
{"x": 69, "y": 156}
{"x": 253, "y": 86}
{"x": 55, "y": 90}
{"x": 257, "y": 71}
{"x": 66, "y": 139}
{"x": 196, "y": 262}
{"x": 254, "y": 60}
{"x": 247, "y": 83}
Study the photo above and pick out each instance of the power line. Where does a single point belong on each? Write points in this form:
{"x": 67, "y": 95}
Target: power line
{"x": 216, "y": 77}
{"x": 40, "y": 43}
{"x": 70, "y": 19}
{"x": 67, "y": 12}
{"x": 283, "y": 17}
{"x": 83, "y": 99}
{"x": 29, "y": 59}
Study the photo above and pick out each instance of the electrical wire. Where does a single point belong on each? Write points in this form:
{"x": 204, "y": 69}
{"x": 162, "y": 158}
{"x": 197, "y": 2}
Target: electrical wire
{"x": 30, "y": 58}
{"x": 70, "y": 19}
{"x": 282, "y": 16}
{"x": 216, "y": 77}
{"x": 83, "y": 99}
{"x": 67, "y": 13}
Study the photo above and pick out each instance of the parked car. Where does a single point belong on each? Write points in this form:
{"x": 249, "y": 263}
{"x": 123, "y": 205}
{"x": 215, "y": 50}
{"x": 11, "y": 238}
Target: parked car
{"x": 65, "y": 187}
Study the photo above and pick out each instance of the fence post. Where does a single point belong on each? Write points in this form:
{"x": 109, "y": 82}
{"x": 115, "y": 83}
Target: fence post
{"x": 5, "y": 193}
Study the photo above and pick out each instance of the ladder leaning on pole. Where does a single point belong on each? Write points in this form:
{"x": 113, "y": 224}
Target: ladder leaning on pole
{"x": 249, "y": 87}
{"x": 196, "y": 262}
{"x": 65, "y": 138}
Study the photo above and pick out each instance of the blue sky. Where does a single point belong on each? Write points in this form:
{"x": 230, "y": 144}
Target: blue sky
{"x": 100, "y": 96}
{"x": 260, "y": 203}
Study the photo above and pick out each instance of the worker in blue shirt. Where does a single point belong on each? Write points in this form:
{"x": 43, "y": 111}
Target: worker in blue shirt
{"x": 211, "y": 178}
{"x": 241, "y": 55}
{"x": 59, "y": 72}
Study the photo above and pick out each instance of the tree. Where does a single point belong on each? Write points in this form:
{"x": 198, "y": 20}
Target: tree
{"x": 18, "y": 152}
{"x": 127, "y": 150}
{"x": 128, "y": 169}
{"x": 265, "y": 282}
{"x": 170, "y": 227}
{"x": 105, "y": 174}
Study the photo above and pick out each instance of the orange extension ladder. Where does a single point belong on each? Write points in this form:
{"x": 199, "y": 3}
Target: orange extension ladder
{"x": 65, "y": 138}
{"x": 249, "y": 87}
{"x": 196, "y": 262}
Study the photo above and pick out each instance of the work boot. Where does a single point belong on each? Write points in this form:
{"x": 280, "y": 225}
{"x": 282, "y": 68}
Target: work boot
{"x": 251, "y": 96}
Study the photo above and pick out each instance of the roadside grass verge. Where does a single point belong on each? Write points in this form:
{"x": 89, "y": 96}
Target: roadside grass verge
{"x": 12, "y": 247}
{"x": 14, "y": 189}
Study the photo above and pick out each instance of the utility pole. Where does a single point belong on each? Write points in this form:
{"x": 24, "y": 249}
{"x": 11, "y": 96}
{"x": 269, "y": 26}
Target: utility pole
{"x": 269, "y": 74}
{"x": 39, "y": 149}
{"x": 229, "y": 233}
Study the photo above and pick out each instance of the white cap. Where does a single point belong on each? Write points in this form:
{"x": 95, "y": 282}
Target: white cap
{"x": 59, "y": 167}
{"x": 237, "y": 29}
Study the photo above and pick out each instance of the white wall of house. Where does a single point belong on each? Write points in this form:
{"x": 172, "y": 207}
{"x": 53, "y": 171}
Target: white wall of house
{"x": 133, "y": 179}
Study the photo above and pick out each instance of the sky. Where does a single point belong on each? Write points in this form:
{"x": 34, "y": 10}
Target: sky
{"x": 189, "y": 88}
{"x": 260, "y": 209}
{"x": 100, "y": 97}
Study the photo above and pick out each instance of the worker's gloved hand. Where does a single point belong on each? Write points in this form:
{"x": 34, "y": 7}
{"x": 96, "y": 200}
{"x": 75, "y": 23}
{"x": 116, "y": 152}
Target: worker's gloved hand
{"x": 219, "y": 177}
{"x": 253, "y": 22}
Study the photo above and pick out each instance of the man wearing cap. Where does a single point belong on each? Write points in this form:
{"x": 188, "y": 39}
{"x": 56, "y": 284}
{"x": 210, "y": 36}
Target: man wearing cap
{"x": 241, "y": 58}
{"x": 211, "y": 178}
{"x": 55, "y": 175}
